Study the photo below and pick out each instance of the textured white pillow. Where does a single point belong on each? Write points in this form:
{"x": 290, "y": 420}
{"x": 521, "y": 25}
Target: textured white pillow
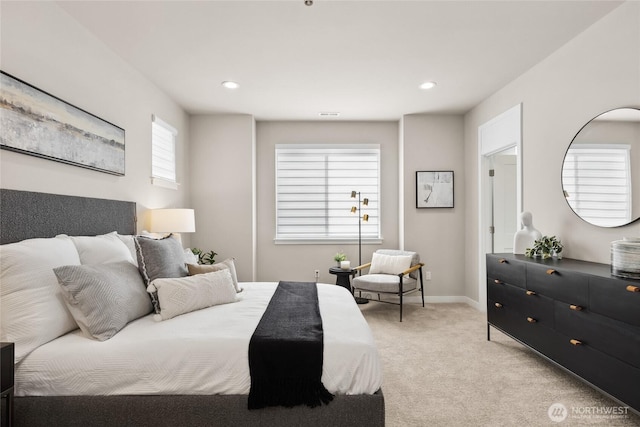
{"x": 101, "y": 249}
{"x": 183, "y": 295}
{"x": 33, "y": 311}
{"x": 389, "y": 264}
{"x": 103, "y": 298}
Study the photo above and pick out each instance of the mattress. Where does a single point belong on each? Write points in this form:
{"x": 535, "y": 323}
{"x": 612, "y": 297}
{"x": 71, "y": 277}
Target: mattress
{"x": 203, "y": 352}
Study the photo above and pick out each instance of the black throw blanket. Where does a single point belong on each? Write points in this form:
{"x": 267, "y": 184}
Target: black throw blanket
{"x": 286, "y": 350}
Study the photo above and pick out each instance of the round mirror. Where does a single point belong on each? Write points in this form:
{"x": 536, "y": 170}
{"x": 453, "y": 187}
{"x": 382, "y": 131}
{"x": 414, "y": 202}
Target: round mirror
{"x": 601, "y": 169}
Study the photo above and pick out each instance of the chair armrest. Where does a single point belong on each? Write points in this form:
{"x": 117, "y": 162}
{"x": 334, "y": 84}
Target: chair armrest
{"x": 363, "y": 266}
{"x": 412, "y": 269}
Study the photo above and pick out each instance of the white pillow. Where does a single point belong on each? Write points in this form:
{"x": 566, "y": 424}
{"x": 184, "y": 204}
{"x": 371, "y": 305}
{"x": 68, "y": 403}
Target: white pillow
{"x": 33, "y": 311}
{"x": 129, "y": 242}
{"x": 389, "y": 264}
{"x": 185, "y": 294}
{"x": 190, "y": 257}
{"x": 103, "y": 249}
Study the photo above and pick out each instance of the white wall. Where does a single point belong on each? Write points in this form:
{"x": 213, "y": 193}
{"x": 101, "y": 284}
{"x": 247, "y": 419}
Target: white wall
{"x": 597, "y": 71}
{"x": 42, "y": 45}
{"x": 435, "y": 142}
{"x": 298, "y": 262}
{"x": 221, "y": 165}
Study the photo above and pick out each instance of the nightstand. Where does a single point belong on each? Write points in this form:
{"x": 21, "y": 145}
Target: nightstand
{"x": 343, "y": 278}
{"x": 7, "y": 354}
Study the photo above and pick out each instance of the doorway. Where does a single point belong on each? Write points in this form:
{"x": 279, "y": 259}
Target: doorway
{"x": 503, "y": 177}
{"x": 499, "y": 188}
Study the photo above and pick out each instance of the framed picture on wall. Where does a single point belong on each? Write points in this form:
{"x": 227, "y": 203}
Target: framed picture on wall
{"x": 434, "y": 189}
{"x": 39, "y": 124}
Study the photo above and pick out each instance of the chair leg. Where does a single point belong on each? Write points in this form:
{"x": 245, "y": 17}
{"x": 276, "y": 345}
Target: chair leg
{"x": 400, "y": 293}
{"x": 421, "y": 286}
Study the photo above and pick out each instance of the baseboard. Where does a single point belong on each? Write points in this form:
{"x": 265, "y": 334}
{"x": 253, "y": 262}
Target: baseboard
{"x": 416, "y": 299}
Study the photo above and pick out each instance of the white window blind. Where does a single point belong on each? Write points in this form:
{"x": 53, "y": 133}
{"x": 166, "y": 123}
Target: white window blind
{"x": 313, "y": 191}
{"x": 597, "y": 182}
{"x": 163, "y": 150}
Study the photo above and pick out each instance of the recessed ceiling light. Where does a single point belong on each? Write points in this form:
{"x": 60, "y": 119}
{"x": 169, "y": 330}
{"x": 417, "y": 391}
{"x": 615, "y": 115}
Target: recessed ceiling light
{"x": 427, "y": 85}
{"x": 230, "y": 85}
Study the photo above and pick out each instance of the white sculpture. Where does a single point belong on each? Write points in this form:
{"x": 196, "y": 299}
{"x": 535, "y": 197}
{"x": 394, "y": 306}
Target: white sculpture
{"x": 525, "y": 238}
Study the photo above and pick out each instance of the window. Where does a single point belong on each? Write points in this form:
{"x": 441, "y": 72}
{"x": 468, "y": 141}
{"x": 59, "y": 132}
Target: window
{"x": 313, "y": 192}
{"x": 163, "y": 153}
{"x": 597, "y": 183}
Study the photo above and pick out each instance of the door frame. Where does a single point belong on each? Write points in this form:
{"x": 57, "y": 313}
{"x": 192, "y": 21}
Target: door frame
{"x": 500, "y": 133}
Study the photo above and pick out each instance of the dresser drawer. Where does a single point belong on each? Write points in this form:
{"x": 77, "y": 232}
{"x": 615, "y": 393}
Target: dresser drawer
{"x": 506, "y": 270}
{"x": 617, "y": 378}
{"x": 609, "y": 336}
{"x": 496, "y": 290}
{"x": 556, "y": 283}
{"x": 614, "y": 298}
{"x": 539, "y": 337}
{"x": 535, "y": 308}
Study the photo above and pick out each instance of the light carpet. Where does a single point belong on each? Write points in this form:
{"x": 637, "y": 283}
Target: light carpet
{"x": 440, "y": 370}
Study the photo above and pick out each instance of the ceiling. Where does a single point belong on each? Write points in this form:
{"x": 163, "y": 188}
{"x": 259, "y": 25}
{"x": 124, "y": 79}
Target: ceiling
{"x": 363, "y": 59}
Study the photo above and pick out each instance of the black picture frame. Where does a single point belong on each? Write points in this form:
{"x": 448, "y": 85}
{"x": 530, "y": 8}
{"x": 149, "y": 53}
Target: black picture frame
{"x": 434, "y": 189}
{"x": 39, "y": 124}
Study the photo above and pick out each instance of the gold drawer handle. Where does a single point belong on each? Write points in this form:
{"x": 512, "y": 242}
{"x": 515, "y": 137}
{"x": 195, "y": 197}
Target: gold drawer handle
{"x": 550, "y": 271}
{"x": 497, "y": 282}
{"x": 575, "y": 307}
{"x": 575, "y": 342}
{"x": 498, "y": 305}
{"x": 531, "y": 320}
{"x": 502, "y": 261}
{"x": 530, "y": 293}
{"x": 632, "y": 288}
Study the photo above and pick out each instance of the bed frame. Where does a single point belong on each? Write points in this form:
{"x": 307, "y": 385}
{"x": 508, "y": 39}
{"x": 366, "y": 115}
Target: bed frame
{"x": 27, "y": 215}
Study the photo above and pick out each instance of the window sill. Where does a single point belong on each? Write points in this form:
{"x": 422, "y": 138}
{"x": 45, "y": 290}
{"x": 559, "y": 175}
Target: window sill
{"x": 326, "y": 241}
{"x": 159, "y": 182}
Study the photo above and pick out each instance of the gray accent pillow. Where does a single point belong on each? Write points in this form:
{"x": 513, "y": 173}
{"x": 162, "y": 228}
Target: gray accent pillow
{"x": 159, "y": 259}
{"x": 103, "y": 298}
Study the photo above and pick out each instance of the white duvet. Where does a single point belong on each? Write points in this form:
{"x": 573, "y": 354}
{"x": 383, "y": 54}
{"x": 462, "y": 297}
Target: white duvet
{"x": 202, "y": 352}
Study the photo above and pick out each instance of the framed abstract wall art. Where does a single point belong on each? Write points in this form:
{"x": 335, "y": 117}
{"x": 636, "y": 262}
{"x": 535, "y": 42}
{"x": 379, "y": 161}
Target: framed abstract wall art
{"x": 434, "y": 189}
{"x": 39, "y": 124}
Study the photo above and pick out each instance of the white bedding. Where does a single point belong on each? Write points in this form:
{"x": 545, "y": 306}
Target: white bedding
{"x": 202, "y": 352}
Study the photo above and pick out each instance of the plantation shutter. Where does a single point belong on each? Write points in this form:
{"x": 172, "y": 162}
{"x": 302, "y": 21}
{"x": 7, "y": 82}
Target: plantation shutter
{"x": 313, "y": 191}
{"x": 597, "y": 183}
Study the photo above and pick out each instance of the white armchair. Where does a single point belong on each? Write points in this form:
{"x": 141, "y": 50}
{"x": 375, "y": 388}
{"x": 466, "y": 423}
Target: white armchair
{"x": 393, "y": 272}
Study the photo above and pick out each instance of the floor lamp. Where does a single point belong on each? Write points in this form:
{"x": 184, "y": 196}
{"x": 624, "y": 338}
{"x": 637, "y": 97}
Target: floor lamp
{"x": 365, "y": 218}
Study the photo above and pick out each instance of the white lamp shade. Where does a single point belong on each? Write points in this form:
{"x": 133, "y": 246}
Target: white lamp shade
{"x": 172, "y": 221}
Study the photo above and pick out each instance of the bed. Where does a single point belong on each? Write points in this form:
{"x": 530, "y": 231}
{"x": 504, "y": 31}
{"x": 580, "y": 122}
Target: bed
{"x": 184, "y": 380}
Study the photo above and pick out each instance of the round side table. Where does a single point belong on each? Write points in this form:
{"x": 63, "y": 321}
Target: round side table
{"x": 343, "y": 278}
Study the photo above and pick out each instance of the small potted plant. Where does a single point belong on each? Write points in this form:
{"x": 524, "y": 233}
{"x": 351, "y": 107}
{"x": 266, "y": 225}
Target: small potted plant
{"x": 204, "y": 257}
{"x": 339, "y": 257}
{"x": 545, "y": 247}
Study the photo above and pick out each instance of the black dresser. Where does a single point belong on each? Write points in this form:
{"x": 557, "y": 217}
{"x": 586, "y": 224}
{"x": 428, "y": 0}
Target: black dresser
{"x": 573, "y": 312}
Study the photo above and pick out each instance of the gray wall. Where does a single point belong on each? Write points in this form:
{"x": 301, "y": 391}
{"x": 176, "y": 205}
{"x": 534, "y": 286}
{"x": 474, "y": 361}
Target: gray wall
{"x": 42, "y": 45}
{"x": 435, "y": 142}
{"x": 298, "y": 262}
{"x": 221, "y": 168}
{"x": 597, "y": 71}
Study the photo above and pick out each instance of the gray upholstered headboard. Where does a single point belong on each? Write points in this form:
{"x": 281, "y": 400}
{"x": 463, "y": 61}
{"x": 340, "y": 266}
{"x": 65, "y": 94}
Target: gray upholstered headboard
{"x": 25, "y": 215}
